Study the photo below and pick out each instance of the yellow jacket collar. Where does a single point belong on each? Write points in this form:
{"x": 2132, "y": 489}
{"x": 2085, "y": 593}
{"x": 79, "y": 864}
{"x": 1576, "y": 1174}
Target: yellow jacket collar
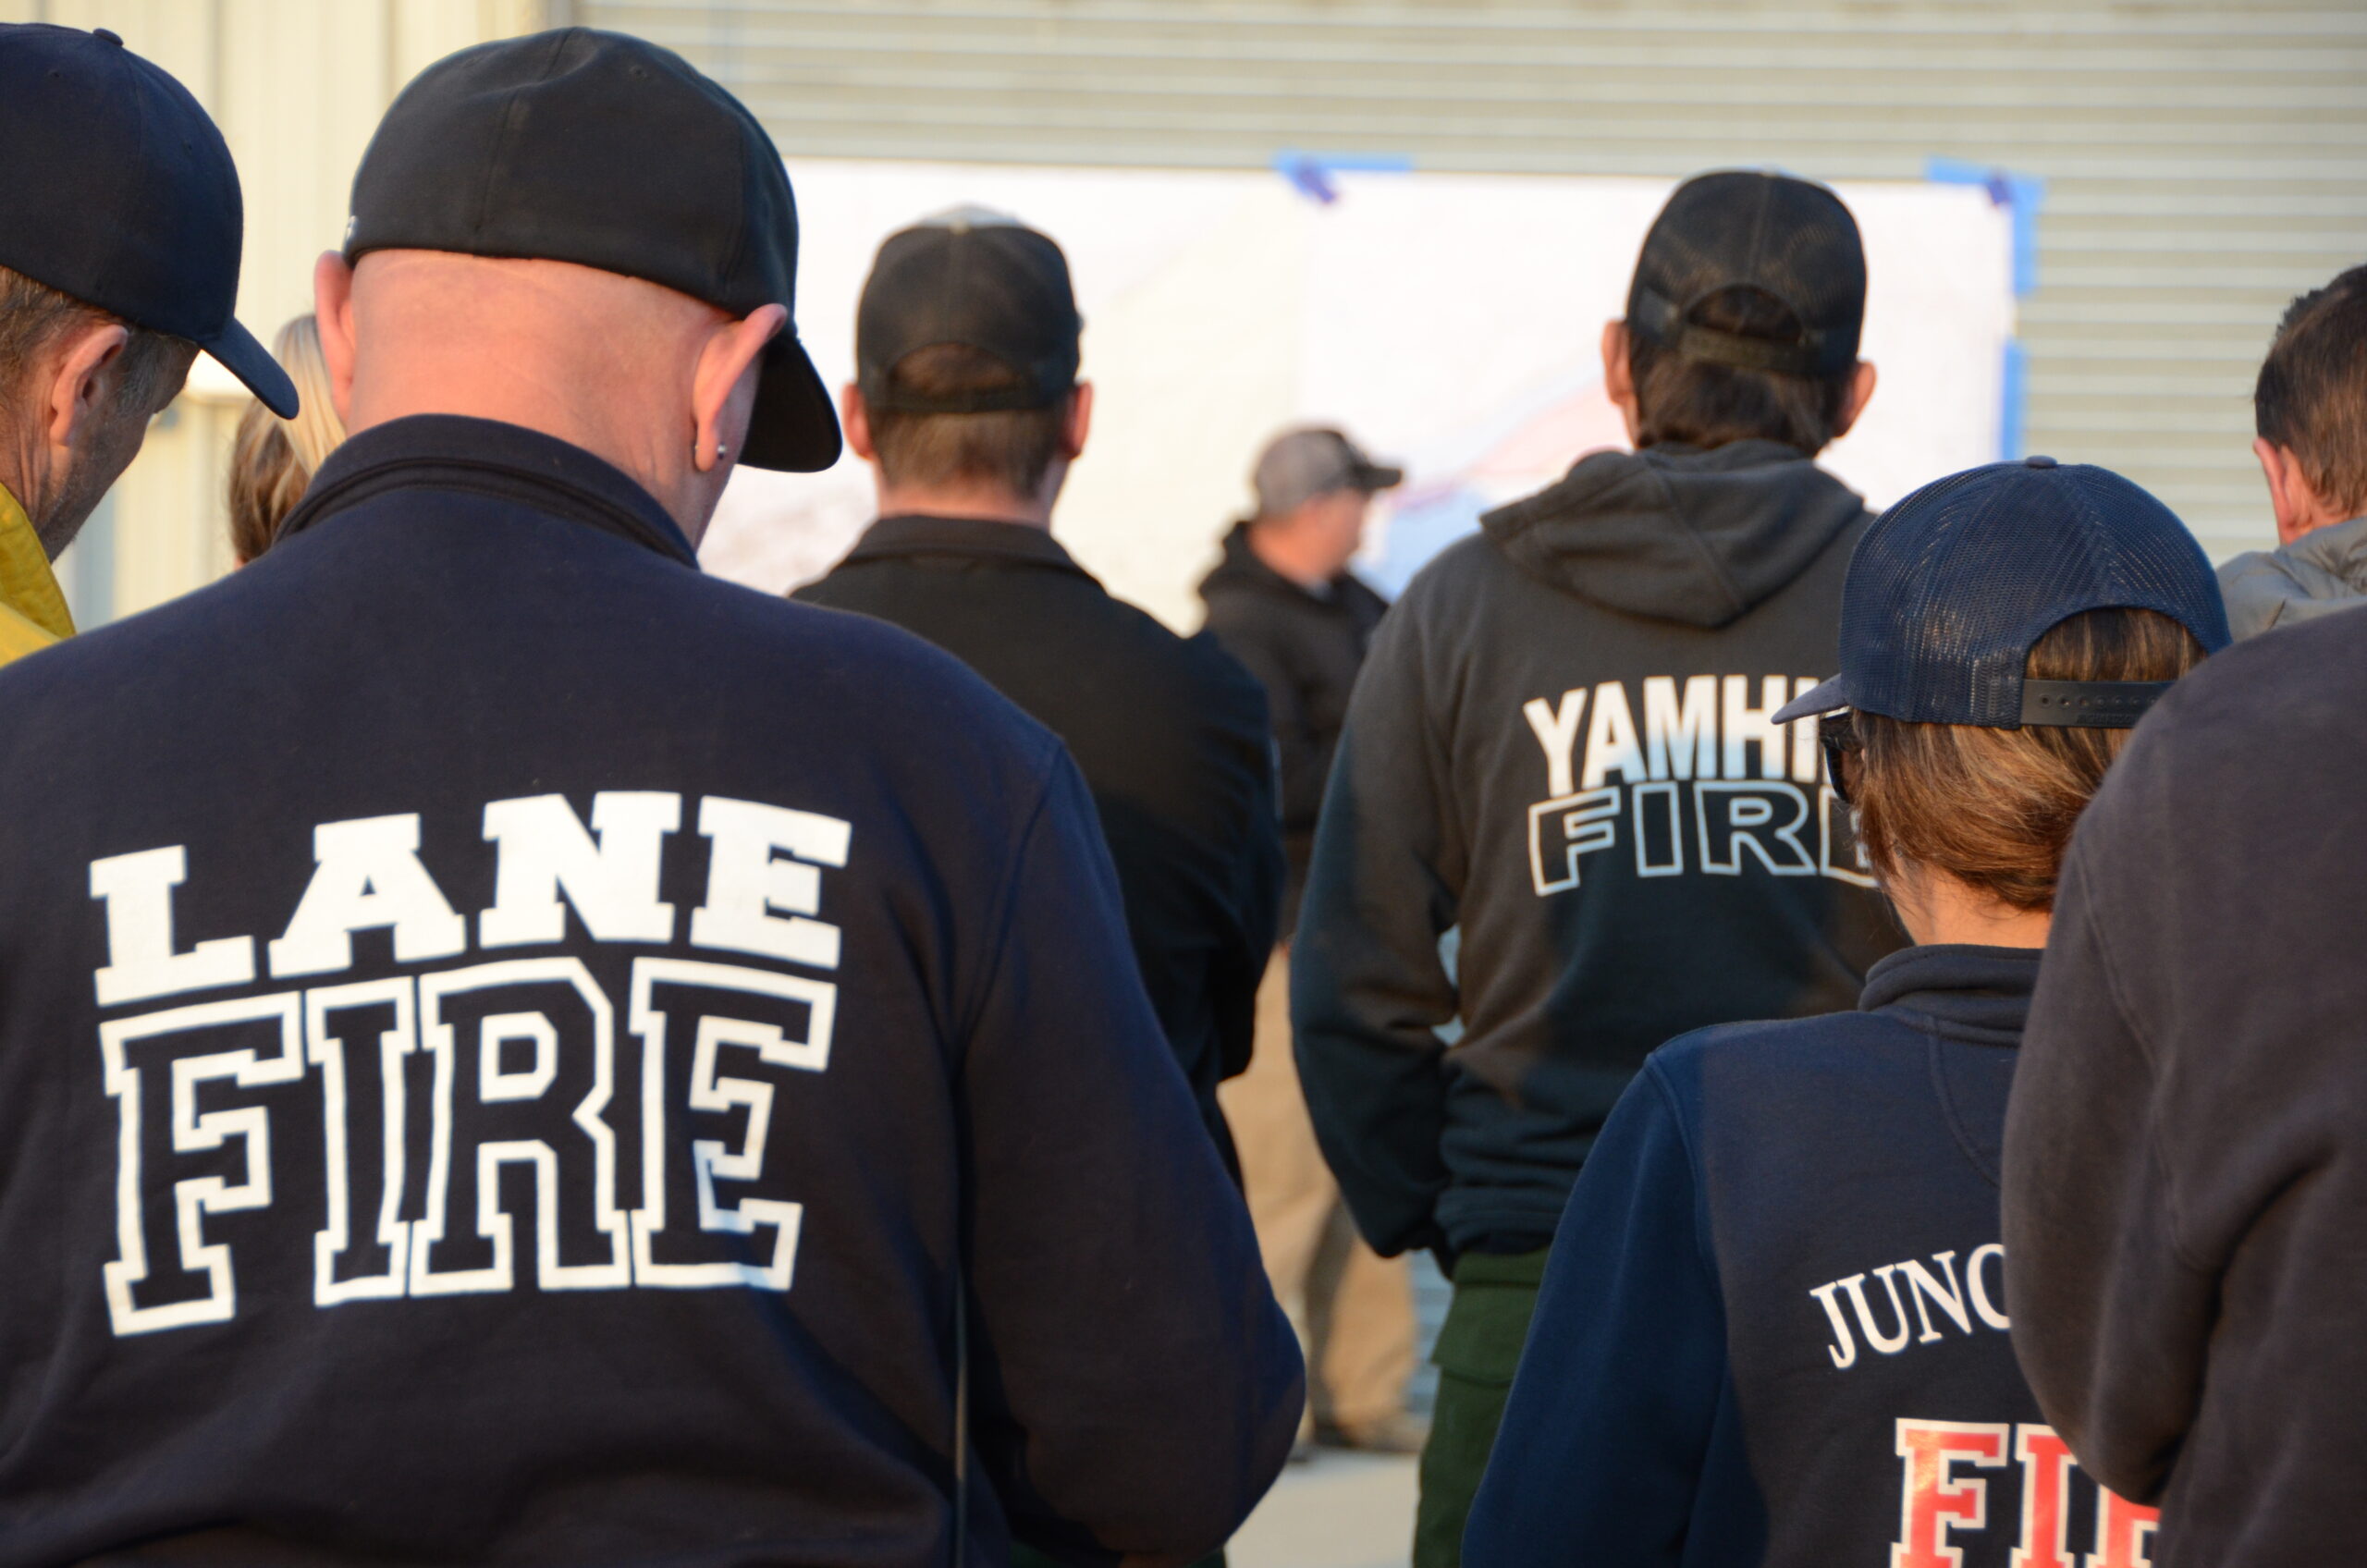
{"x": 28, "y": 586}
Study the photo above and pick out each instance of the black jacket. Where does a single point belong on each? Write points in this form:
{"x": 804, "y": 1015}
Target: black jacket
{"x": 1304, "y": 648}
{"x": 1559, "y": 747}
{"x": 717, "y": 966}
{"x": 1171, "y": 736}
{"x": 1773, "y": 1329}
{"x": 2186, "y": 1158}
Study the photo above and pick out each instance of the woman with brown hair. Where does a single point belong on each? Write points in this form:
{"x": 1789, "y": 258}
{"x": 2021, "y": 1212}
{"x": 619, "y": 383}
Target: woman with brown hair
{"x": 272, "y": 459}
{"x": 1772, "y": 1328}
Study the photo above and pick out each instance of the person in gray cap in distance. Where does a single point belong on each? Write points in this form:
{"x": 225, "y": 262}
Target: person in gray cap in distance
{"x": 1283, "y": 601}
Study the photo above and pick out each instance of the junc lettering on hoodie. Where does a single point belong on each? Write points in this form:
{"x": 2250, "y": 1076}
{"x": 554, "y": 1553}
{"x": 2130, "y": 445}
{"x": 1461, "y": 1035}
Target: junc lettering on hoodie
{"x": 1944, "y": 1492}
{"x": 516, "y": 1057}
{"x": 1702, "y": 780}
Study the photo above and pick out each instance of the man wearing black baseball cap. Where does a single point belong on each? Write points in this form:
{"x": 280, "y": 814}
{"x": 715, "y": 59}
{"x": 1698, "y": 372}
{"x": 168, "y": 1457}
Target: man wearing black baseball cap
{"x": 1564, "y": 744}
{"x": 554, "y": 1064}
{"x": 1774, "y": 1328}
{"x": 120, "y": 226}
{"x": 967, "y": 405}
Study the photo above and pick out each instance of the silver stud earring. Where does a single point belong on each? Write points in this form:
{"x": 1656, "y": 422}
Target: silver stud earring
{"x": 718, "y": 451}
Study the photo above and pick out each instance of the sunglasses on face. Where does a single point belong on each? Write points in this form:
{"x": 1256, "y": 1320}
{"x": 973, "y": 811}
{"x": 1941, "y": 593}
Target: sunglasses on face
{"x": 1837, "y": 734}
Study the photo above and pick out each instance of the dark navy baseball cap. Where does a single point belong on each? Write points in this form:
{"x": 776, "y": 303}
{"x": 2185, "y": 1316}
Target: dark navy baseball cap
{"x": 1950, "y": 588}
{"x": 120, "y": 192}
{"x": 607, "y": 151}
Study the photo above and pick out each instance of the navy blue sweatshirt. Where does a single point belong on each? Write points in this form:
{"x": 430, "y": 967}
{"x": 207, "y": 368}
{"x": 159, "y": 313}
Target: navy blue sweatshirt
{"x": 512, "y": 1050}
{"x": 1773, "y": 1329}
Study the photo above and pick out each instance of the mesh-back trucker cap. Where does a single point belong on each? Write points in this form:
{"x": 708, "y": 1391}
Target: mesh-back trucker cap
{"x": 611, "y": 152}
{"x": 120, "y": 192}
{"x": 1950, "y": 588}
{"x": 1788, "y": 239}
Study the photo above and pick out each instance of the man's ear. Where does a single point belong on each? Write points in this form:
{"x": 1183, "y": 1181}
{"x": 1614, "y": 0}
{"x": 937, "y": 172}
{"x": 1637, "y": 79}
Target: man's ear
{"x": 718, "y": 406}
{"x": 1854, "y": 401}
{"x": 333, "y": 314}
{"x": 854, "y": 420}
{"x": 1618, "y": 376}
{"x": 1078, "y": 424}
{"x": 79, "y": 389}
{"x": 2290, "y": 494}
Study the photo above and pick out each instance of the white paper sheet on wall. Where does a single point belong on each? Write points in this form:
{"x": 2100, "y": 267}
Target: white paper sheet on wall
{"x": 1452, "y": 321}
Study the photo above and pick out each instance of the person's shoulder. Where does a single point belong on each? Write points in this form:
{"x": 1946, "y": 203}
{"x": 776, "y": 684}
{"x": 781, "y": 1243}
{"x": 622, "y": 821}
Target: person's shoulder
{"x": 1473, "y": 563}
{"x": 1731, "y": 1057}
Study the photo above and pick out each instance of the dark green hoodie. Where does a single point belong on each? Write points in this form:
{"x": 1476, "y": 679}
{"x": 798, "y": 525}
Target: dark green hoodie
{"x": 1559, "y": 746}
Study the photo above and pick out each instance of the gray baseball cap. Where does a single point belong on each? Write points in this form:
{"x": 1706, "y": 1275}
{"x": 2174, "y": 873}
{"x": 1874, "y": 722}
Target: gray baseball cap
{"x": 1299, "y": 465}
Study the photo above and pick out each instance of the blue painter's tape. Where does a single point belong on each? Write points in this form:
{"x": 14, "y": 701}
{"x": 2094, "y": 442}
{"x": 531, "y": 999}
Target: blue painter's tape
{"x": 2014, "y": 416}
{"x": 2023, "y": 194}
{"x": 1310, "y": 173}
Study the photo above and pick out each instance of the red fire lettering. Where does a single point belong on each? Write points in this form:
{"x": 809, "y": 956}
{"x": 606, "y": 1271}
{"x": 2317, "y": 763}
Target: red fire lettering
{"x": 2124, "y": 1533}
{"x": 1932, "y": 1500}
{"x": 2046, "y": 1485}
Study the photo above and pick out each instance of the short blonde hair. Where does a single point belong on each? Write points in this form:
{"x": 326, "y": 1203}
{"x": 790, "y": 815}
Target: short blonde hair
{"x": 272, "y": 459}
{"x": 1994, "y": 808}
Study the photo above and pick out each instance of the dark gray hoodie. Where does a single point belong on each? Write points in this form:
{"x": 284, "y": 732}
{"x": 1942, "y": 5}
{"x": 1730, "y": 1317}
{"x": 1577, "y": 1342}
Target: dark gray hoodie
{"x": 1560, "y": 745}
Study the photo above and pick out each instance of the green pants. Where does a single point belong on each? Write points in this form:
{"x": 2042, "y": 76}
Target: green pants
{"x": 1479, "y": 1345}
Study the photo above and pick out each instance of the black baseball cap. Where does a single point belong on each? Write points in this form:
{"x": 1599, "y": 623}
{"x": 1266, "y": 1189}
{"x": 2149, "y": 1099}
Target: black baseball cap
{"x": 979, "y": 279}
{"x": 120, "y": 192}
{"x": 1791, "y": 240}
{"x": 602, "y": 150}
{"x": 1949, "y": 589}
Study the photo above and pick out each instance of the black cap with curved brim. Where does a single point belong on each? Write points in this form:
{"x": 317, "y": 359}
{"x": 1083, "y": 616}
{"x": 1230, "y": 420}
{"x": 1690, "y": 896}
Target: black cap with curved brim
{"x": 1789, "y": 239}
{"x": 1950, "y": 589}
{"x": 602, "y": 150}
{"x": 121, "y": 193}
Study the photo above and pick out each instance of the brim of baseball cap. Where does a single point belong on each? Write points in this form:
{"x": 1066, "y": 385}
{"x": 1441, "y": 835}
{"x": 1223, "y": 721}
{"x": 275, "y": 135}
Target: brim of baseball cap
{"x": 236, "y": 349}
{"x": 794, "y": 428}
{"x": 1379, "y": 476}
{"x": 1831, "y": 697}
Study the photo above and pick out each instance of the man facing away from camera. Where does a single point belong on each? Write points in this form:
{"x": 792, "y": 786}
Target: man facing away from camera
{"x": 1564, "y": 746}
{"x": 968, "y": 408}
{"x": 2310, "y": 407}
{"x": 1283, "y": 601}
{"x": 121, "y": 227}
{"x": 568, "y": 1061}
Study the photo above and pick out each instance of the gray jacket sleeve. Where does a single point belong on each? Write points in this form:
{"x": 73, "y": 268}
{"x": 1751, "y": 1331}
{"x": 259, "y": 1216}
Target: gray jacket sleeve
{"x": 1368, "y": 988}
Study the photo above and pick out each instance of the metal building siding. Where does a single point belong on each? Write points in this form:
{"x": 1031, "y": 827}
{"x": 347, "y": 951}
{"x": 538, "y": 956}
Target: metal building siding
{"x": 2203, "y": 162}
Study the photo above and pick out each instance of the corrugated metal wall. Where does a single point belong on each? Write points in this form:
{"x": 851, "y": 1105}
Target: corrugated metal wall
{"x": 2204, "y": 162}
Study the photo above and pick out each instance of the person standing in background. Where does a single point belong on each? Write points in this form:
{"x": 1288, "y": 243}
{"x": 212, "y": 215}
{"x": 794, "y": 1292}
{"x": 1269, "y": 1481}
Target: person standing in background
{"x": 967, "y": 406}
{"x": 120, "y": 228}
{"x": 2309, "y": 408}
{"x": 272, "y": 459}
{"x": 1565, "y": 747}
{"x": 1283, "y": 601}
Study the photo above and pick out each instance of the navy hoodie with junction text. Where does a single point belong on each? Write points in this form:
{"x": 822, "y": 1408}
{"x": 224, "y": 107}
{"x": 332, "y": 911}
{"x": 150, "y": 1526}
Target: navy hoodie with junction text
{"x": 1772, "y": 1328}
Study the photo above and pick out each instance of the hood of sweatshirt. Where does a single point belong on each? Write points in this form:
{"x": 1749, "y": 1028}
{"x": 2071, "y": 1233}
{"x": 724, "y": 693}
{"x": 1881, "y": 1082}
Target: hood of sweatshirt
{"x": 1677, "y": 533}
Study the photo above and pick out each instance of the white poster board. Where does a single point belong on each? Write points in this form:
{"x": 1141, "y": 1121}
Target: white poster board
{"x": 1451, "y": 322}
